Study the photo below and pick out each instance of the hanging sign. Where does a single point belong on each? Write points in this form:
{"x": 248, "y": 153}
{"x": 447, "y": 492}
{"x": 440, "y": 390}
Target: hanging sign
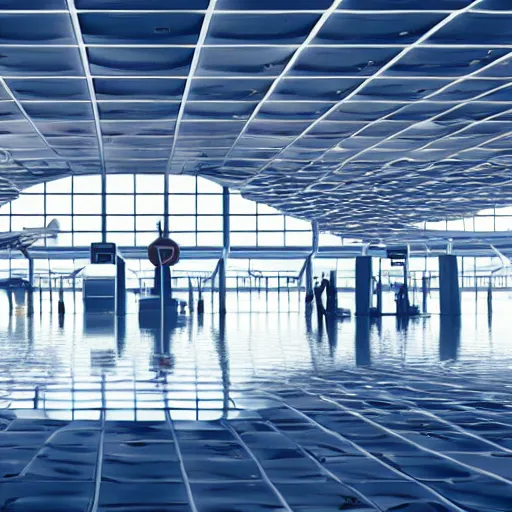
{"x": 164, "y": 252}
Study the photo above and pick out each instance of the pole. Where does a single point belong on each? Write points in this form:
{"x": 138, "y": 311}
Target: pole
{"x": 266, "y": 292}
{"x": 406, "y": 284}
{"x": 74, "y": 293}
{"x": 11, "y": 301}
{"x": 61, "y": 306}
{"x": 222, "y": 286}
{"x": 30, "y": 291}
{"x": 278, "y": 291}
{"x": 332, "y": 293}
{"x": 162, "y": 305}
{"x": 40, "y": 295}
{"x": 309, "y": 263}
{"x": 226, "y": 236}
{"x": 379, "y": 290}
{"x": 50, "y": 282}
{"x": 120, "y": 286}
{"x": 476, "y": 284}
{"x": 489, "y": 296}
{"x": 424, "y": 291}
{"x": 190, "y": 295}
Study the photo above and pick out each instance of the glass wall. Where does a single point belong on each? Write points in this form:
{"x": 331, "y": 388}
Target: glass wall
{"x": 135, "y": 204}
{"x": 491, "y": 219}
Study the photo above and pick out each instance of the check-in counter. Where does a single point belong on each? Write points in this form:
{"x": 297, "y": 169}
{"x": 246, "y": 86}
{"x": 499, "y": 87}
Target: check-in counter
{"x": 99, "y": 289}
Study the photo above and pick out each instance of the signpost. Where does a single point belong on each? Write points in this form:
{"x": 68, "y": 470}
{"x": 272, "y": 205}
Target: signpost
{"x": 163, "y": 253}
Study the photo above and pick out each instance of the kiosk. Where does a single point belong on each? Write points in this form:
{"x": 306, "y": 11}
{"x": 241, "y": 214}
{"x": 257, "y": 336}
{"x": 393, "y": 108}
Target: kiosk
{"x": 104, "y": 281}
{"x": 399, "y": 256}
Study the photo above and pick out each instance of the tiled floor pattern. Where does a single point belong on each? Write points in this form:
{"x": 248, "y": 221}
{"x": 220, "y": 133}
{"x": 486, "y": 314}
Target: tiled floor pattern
{"x": 363, "y": 439}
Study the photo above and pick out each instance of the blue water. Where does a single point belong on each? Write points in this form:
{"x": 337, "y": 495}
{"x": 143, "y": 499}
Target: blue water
{"x": 259, "y": 412}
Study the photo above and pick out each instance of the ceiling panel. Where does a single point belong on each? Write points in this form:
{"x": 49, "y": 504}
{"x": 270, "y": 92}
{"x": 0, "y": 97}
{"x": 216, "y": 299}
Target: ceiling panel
{"x": 141, "y": 5}
{"x": 40, "y": 61}
{"x": 329, "y": 110}
{"x": 140, "y": 28}
{"x": 47, "y": 89}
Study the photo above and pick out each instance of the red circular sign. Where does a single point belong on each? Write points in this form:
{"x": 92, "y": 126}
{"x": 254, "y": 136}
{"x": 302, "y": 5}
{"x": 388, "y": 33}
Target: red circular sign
{"x": 164, "y": 252}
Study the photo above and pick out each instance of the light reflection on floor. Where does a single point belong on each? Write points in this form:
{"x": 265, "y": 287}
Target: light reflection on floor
{"x": 259, "y": 412}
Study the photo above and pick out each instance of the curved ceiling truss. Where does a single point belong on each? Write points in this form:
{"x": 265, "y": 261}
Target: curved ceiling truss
{"x": 367, "y": 116}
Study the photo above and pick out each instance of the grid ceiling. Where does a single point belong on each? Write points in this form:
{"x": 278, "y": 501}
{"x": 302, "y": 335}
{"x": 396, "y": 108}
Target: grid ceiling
{"x": 365, "y": 115}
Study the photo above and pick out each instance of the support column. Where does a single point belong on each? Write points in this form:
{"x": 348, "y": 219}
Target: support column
{"x": 363, "y": 285}
{"x": 449, "y": 293}
{"x": 226, "y": 232}
{"x": 120, "y": 286}
{"x": 489, "y": 296}
{"x": 332, "y": 293}
{"x": 379, "y": 290}
{"x": 10, "y": 298}
{"x": 309, "y": 264}
{"x": 309, "y": 280}
{"x": 30, "y": 291}
{"x": 424, "y": 292}
{"x": 222, "y": 286}
{"x": 103, "y": 206}
{"x": 61, "y": 305}
{"x": 362, "y": 342}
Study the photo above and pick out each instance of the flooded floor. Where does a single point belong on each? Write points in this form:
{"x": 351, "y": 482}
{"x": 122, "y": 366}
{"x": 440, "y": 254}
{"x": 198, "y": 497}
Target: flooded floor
{"x": 259, "y": 412}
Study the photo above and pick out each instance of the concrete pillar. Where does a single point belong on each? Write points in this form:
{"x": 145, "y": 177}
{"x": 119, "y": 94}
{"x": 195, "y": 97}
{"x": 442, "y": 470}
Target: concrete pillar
{"x": 379, "y": 290}
{"x": 424, "y": 292}
{"x": 362, "y": 342}
{"x": 190, "y": 295}
{"x": 363, "y": 285}
{"x": 449, "y": 293}
{"x": 332, "y": 293}
{"x": 449, "y": 337}
{"x": 315, "y": 243}
{"x": 10, "y": 298}
{"x": 120, "y": 286}
{"x": 309, "y": 280}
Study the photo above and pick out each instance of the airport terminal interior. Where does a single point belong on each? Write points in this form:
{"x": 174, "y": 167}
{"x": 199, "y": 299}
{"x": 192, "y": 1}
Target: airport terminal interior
{"x": 255, "y": 255}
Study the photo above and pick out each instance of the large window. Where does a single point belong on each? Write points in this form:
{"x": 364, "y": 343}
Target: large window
{"x": 134, "y": 206}
{"x": 491, "y": 219}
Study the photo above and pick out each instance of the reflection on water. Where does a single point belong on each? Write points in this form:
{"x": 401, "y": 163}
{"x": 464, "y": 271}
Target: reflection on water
{"x": 362, "y": 341}
{"x": 269, "y": 412}
{"x": 68, "y": 358}
{"x": 449, "y": 338}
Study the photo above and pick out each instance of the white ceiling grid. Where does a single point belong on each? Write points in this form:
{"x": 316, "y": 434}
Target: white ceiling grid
{"x": 366, "y": 115}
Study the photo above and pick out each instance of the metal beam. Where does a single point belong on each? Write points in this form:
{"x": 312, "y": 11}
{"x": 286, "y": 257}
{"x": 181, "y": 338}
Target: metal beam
{"x": 195, "y": 63}
{"x": 289, "y": 66}
{"x": 94, "y": 103}
{"x": 193, "y": 67}
{"x": 406, "y": 50}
